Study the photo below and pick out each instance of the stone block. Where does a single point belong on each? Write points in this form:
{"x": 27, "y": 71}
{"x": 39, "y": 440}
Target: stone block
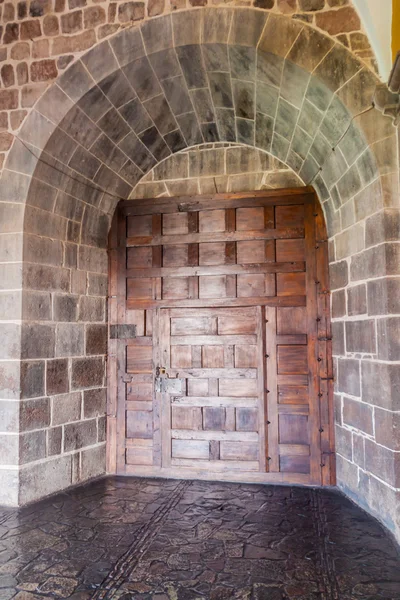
{"x": 65, "y": 307}
{"x": 310, "y": 48}
{"x": 358, "y": 450}
{"x": 177, "y": 95}
{"x": 174, "y": 168}
{"x": 357, "y": 300}
{"x": 10, "y": 305}
{"x": 34, "y": 414}
{"x": 388, "y": 332}
{"x": 57, "y": 380}
{"x": 66, "y": 408}
{"x": 343, "y": 441}
{"x": 360, "y": 336}
{"x": 127, "y": 45}
{"x": 97, "y": 285}
{"x": 101, "y": 429}
{"x": 32, "y": 446}
{"x": 338, "y": 304}
{"x": 37, "y": 340}
{"x": 225, "y": 118}
{"x": 54, "y": 441}
{"x": 279, "y": 35}
{"x": 338, "y": 409}
{"x": 10, "y": 379}
{"x": 383, "y": 227}
{"x": 337, "y": 67}
{"x": 367, "y": 167}
{"x": 79, "y": 282}
{"x": 32, "y": 380}
{"x": 9, "y": 487}
{"x": 385, "y": 152}
{"x": 347, "y": 475}
{"x": 11, "y": 217}
{"x": 41, "y": 479}
{"x": 247, "y": 27}
{"x": 387, "y": 429}
{"x": 286, "y": 119}
{"x": 358, "y": 415}
{"x": 92, "y": 259}
{"x": 11, "y": 340}
{"x": 93, "y": 462}
{"x": 347, "y": 215}
{"x": 338, "y": 348}
{"x": 339, "y": 274}
{"x": 369, "y": 263}
{"x": 157, "y": 34}
{"x": 350, "y": 242}
{"x": 69, "y": 340}
{"x": 349, "y": 184}
{"x": 42, "y": 250}
{"x": 381, "y": 384}
{"x": 10, "y": 247}
{"x": 94, "y": 403}
{"x": 383, "y": 502}
{"x": 216, "y": 25}
{"x": 294, "y": 83}
{"x": 349, "y": 376}
{"x": 9, "y": 449}
{"x": 91, "y": 309}
{"x": 383, "y": 463}
{"x": 384, "y": 296}
{"x": 96, "y": 339}
{"x": 9, "y": 416}
{"x": 80, "y": 434}
{"x": 47, "y": 278}
{"x": 13, "y": 188}
{"x": 87, "y": 373}
{"x": 206, "y": 162}
{"x": 186, "y": 28}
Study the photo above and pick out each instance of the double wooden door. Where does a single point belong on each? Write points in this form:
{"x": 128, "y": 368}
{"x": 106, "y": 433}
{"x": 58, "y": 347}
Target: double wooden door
{"x": 219, "y": 352}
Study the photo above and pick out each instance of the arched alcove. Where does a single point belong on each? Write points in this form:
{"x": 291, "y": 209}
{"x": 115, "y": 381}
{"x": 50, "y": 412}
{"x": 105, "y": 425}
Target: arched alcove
{"x": 206, "y": 76}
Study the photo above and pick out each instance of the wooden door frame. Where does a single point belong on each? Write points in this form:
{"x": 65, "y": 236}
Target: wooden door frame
{"x": 320, "y": 329}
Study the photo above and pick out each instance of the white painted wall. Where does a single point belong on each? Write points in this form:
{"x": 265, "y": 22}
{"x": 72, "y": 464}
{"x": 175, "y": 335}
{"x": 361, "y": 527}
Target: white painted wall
{"x": 376, "y": 16}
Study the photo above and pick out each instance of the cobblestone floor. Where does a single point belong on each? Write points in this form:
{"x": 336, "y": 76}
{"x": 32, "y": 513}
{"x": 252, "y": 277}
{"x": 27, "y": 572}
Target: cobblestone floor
{"x": 145, "y": 539}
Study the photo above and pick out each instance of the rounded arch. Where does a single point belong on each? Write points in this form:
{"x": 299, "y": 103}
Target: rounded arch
{"x": 197, "y": 77}
{"x": 201, "y": 76}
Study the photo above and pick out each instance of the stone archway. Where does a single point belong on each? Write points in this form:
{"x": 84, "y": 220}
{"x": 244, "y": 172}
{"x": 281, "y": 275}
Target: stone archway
{"x": 218, "y": 74}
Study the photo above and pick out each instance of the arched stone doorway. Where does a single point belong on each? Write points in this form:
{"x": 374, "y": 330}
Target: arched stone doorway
{"x": 203, "y": 76}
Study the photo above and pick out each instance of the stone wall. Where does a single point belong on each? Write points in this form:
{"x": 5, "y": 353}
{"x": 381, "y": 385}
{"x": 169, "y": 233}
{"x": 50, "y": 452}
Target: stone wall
{"x": 118, "y": 122}
{"x": 40, "y": 38}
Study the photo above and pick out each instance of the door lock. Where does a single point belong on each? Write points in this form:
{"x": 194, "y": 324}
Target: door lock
{"x": 165, "y": 384}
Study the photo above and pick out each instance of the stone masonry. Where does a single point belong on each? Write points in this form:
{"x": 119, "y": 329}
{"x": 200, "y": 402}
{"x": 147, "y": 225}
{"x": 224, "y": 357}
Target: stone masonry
{"x": 117, "y": 124}
{"x": 40, "y": 38}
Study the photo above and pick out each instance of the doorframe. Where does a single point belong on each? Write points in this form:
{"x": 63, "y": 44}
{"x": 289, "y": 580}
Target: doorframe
{"x": 322, "y": 347}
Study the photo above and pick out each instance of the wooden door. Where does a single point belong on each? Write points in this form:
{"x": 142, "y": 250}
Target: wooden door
{"x": 229, "y": 295}
{"x": 216, "y": 423}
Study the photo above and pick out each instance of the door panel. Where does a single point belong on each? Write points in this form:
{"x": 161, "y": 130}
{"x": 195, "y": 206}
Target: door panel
{"x": 212, "y": 379}
{"x": 229, "y": 296}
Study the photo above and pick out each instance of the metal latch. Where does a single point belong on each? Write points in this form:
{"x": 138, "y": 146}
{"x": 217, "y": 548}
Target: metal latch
{"x": 165, "y": 384}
